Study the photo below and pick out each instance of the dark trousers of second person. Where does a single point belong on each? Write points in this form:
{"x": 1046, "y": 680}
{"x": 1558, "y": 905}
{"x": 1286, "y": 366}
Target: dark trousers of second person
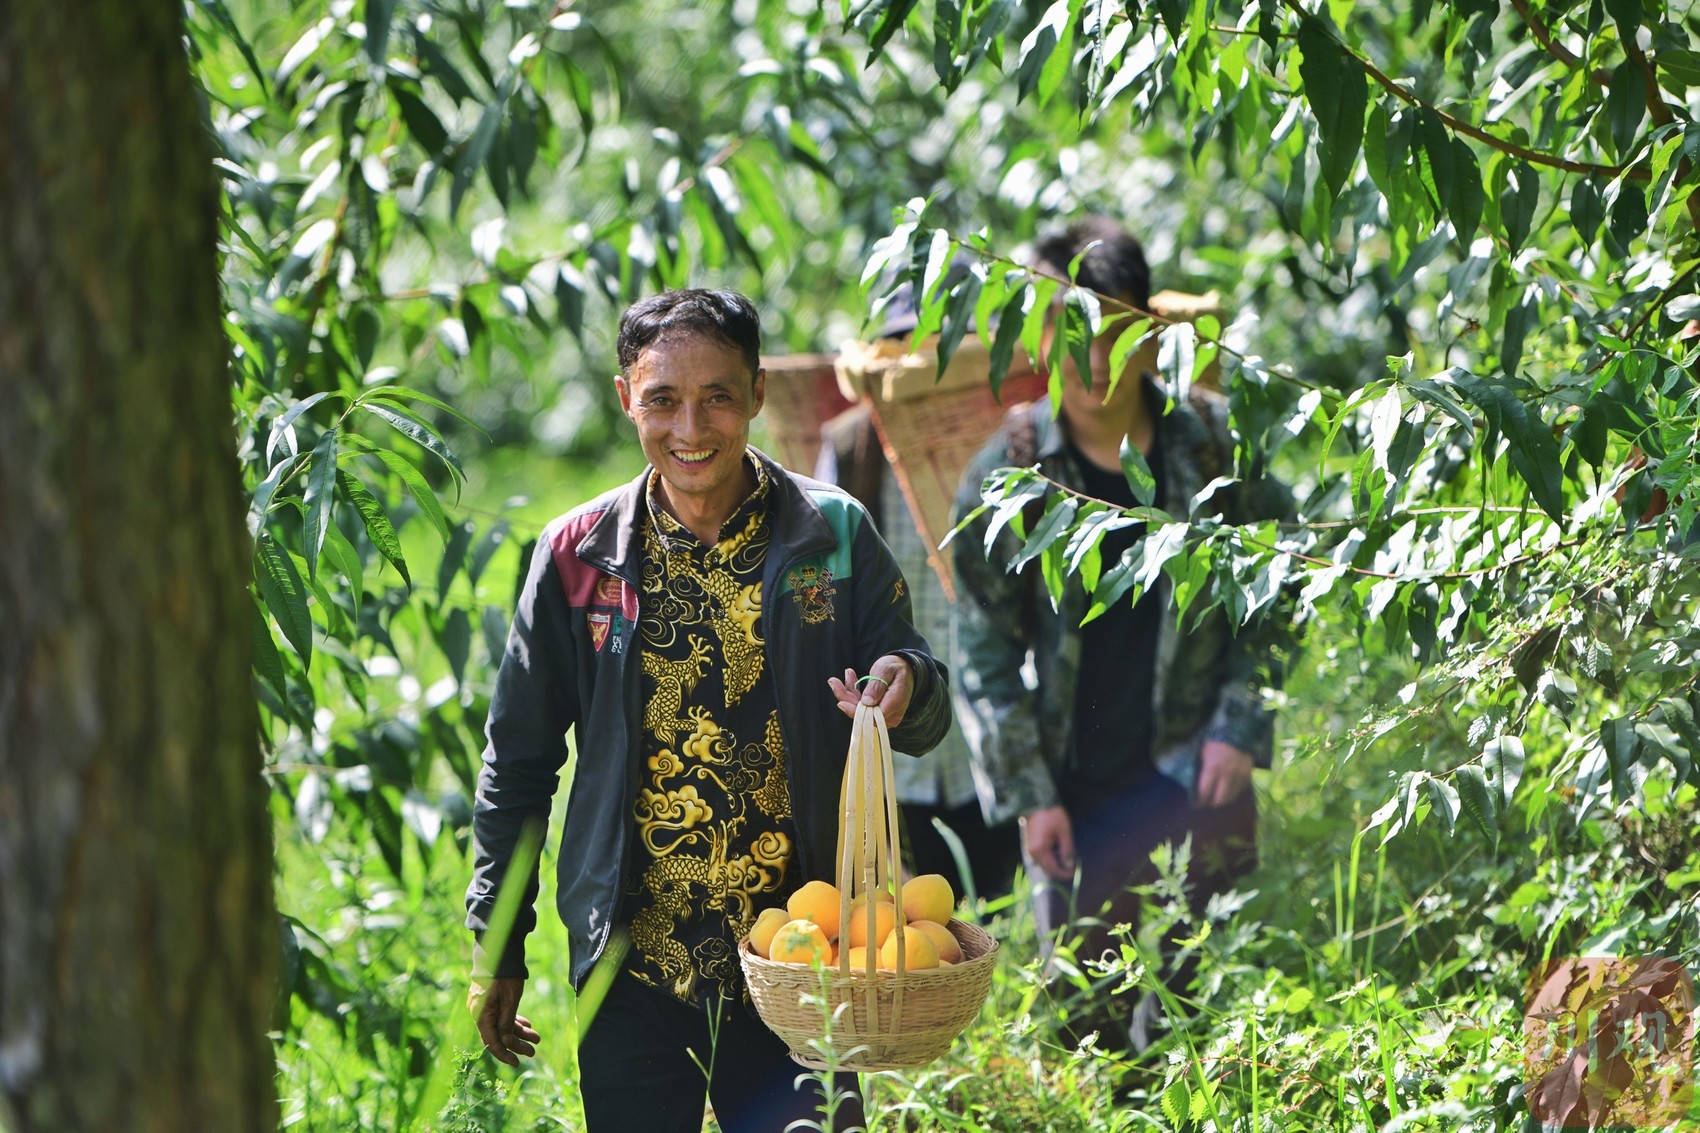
{"x": 650, "y": 1061}
{"x": 1114, "y": 836}
{"x": 992, "y": 851}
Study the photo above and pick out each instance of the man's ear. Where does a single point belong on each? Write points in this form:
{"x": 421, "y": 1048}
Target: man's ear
{"x": 624, "y": 389}
{"x": 759, "y": 392}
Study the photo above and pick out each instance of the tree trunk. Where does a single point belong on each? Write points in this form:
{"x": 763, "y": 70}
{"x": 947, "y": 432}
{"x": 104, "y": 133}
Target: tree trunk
{"x": 138, "y": 937}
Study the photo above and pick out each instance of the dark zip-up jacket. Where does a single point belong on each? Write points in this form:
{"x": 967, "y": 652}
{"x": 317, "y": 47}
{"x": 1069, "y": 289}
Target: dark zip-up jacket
{"x": 832, "y": 599}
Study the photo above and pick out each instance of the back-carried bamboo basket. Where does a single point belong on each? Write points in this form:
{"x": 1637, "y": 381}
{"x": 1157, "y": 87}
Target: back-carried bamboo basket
{"x": 881, "y": 1019}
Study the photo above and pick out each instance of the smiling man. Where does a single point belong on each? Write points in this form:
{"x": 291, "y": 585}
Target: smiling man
{"x": 700, "y": 630}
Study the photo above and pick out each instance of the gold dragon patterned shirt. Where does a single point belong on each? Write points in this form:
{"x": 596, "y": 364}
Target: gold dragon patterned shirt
{"x": 715, "y": 834}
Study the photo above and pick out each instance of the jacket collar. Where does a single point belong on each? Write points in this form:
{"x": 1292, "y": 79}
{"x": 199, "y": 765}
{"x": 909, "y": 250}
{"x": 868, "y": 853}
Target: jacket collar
{"x": 613, "y": 545}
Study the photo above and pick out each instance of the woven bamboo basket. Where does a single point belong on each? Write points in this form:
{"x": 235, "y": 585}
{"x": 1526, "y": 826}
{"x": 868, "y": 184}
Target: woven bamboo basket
{"x": 880, "y": 1019}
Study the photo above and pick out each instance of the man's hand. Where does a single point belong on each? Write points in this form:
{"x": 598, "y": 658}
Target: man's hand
{"x": 890, "y": 685}
{"x": 1224, "y": 773}
{"x": 1048, "y": 835}
{"x": 506, "y": 1034}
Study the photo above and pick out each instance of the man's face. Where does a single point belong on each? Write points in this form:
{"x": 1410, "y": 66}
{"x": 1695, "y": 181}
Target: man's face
{"x": 692, "y": 400}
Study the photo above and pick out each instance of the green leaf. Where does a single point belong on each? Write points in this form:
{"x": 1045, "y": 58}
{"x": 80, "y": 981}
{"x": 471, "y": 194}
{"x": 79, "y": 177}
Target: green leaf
{"x": 584, "y": 101}
{"x": 1517, "y": 203}
{"x": 421, "y": 121}
{"x": 1622, "y": 746}
{"x": 1033, "y": 325}
{"x": 415, "y": 430}
{"x": 1587, "y": 209}
{"x": 1464, "y": 204}
{"x": 947, "y": 25}
{"x": 421, "y": 489}
{"x": 1435, "y": 166}
{"x": 1519, "y": 317}
{"x": 938, "y": 264}
{"x": 285, "y": 596}
{"x": 1138, "y": 474}
{"x": 1629, "y": 215}
{"x": 474, "y": 153}
{"x": 1534, "y": 452}
{"x": 405, "y": 393}
{"x": 433, "y": 62}
{"x": 281, "y": 426}
{"x": 1127, "y": 343}
{"x": 1175, "y": 350}
{"x": 1626, "y": 105}
{"x": 895, "y": 14}
{"x": 379, "y": 13}
{"x": 958, "y": 313}
{"x": 455, "y": 638}
{"x": 321, "y": 493}
{"x": 384, "y": 824}
{"x": 889, "y": 249}
{"x": 569, "y": 299}
{"x": 1059, "y": 514}
{"x": 1480, "y": 804}
{"x": 346, "y": 559}
{"x": 1436, "y": 395}
{"x": 1079, "y": 322}
{"x": 378, "y": 526}
{"x": 1062, "y": 58}
{"x": 1680, "y": 64}
{"x": 1443, "y": 800}
{"x": 1177, "y": 1103}
{"x": 220, "y": 12}
{"x": 1502, "y": 765}
{"x": 1627, "y": 13}
{"x": 268, "y": 662}
{"x": 1038, "y": 46}
{"x": 1010, "y": 323}
{"x": 1338, "y": 94}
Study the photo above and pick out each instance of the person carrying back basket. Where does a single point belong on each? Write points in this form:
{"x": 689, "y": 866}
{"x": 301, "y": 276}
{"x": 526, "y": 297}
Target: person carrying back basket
{"x": 1144, "y": 728}
{"x": 701, "y": 631}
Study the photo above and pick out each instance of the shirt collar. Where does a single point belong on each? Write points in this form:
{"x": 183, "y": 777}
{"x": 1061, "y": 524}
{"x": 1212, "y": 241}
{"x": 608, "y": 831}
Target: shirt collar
{"x": 674, "y": 534}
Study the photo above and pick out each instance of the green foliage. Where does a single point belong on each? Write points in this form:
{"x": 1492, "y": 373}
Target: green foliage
{"x": 1455, "y": 247}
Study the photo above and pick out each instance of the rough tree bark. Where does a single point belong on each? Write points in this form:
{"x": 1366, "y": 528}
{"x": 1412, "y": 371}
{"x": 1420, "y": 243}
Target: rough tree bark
{"x": 138, "y": 939}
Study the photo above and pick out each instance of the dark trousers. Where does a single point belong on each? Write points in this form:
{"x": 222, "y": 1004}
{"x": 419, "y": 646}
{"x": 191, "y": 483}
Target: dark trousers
{"x": 639, "y": 1072}
{"x": 992, "y": 851}
{"x": 1114, "y": 835}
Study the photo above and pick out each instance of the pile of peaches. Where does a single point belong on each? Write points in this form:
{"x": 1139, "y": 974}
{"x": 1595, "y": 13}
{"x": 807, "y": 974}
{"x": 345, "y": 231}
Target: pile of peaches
{"x": 806, "y": 930}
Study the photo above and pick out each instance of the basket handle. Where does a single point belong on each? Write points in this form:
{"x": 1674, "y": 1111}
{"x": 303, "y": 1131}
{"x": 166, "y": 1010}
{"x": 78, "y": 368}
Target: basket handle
{"x": 868, "y": 845}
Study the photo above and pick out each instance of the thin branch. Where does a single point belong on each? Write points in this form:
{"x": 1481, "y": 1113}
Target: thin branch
{"x": 1469, "y": 129}
{"x": 1138, "y": 312}
{"x": 1459, "y": 126}
{"x": 1554, "y": 48}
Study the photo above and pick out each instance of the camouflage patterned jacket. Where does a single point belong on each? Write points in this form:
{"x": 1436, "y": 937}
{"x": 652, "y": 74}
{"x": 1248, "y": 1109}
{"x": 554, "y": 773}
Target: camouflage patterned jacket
{"x": 1206, "y": 682}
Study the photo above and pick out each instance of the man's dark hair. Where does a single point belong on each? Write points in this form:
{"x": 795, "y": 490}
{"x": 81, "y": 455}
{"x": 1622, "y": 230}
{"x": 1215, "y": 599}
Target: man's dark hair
{"x": 1116, "y": 267}
{"x": 724, "y": 316}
